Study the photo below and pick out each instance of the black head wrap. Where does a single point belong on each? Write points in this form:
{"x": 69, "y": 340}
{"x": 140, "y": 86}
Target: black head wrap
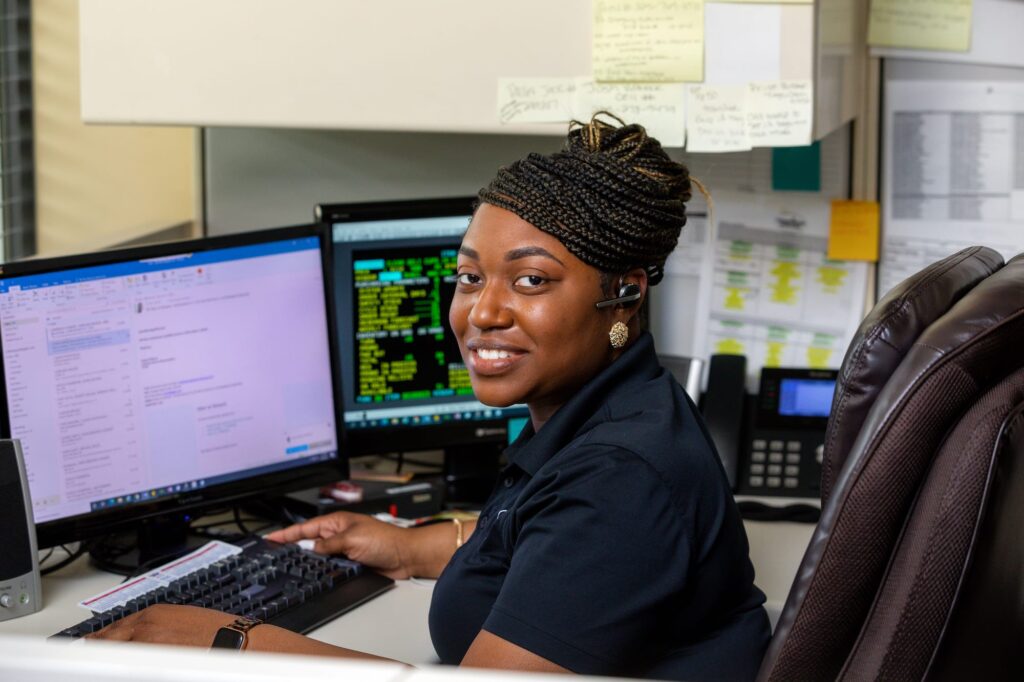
{"x": 612, "y": 196}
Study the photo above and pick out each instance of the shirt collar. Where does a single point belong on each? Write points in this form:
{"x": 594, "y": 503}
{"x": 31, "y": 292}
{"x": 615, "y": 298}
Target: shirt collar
{"x": 619, "y": 381}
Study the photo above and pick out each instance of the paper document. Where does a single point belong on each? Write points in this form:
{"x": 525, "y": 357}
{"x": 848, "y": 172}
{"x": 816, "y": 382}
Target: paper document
{"x": 163, "y": 576}
{"x": 716, "y": 118}
{"x": 657, "y": 41}
{"x": 853, "y": 231}
{"x": 953, "y": 172}
{"x": 921, "y": 24}
{"x": 774, "y": 296}
{"x": 767, "y": 2}
{"x": 780, "y": 113}
{"x": 535, "y": 100}
{"x": 658, "y": 107}
{"x": 757, "y": 28}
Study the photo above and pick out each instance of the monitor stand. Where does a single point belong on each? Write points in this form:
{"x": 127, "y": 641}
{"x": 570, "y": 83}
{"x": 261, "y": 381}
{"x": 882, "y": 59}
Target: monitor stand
{"x": 153, "y": 542}
{"x": 470, "y": 472}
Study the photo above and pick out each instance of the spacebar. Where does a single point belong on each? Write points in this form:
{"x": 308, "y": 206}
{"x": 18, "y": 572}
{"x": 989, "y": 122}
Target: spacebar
{"x": 326, "y": 606}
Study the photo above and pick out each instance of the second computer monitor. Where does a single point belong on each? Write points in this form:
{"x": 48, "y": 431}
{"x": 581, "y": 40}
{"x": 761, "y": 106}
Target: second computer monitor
{"x": 405, "y": 386}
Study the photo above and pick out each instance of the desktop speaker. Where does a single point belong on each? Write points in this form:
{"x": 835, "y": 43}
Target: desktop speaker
{"x": 20, "y": 592}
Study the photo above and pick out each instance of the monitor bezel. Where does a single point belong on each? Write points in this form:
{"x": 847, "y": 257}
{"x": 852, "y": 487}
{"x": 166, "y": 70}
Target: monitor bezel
{"x": 442, "y": 436}
{"x": 193, "y": 503}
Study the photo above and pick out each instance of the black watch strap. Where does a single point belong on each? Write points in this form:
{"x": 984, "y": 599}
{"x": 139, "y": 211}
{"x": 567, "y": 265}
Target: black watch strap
{"x": 235, "y": 635}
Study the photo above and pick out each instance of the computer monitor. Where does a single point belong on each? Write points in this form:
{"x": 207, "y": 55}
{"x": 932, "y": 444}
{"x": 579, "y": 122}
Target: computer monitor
{"x": 405, "y": 386}
{"x": 151, "y": 383}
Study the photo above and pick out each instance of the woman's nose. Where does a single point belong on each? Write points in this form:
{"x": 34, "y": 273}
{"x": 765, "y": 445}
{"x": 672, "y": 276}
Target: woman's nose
{"x": 490, "y": 310}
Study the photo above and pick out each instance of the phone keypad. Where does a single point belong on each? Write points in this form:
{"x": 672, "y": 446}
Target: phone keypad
{"x": 775, "y": 464}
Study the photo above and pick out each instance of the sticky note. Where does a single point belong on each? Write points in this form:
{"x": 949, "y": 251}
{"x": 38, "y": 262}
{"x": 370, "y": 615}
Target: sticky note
{"x": 658, "y": 107}
{"x": 797, "y": 169}
{"x": 780, "y": 113}
{"x": 921, "y": 24}
{"x": 535, "y": 100}
{"x": 659, "y": 41}
{"x": 716, "y": 118}
{"x": 853, "y": 231}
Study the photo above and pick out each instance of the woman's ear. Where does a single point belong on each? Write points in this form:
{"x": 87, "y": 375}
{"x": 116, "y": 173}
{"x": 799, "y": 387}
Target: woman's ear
{"x": 637, "y": 277}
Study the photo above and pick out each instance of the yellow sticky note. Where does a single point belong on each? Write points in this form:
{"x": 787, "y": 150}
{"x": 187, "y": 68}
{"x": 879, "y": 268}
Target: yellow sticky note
{"x": 853, "y": 232}
{"x": 656, "y": 42}
{"x": 921, "y": 24}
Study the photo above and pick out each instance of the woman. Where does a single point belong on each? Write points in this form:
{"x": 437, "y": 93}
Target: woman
{"x": 610, "y": 544}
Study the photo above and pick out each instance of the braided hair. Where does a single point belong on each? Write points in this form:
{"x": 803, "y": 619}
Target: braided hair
{"x": 612, "y": 196}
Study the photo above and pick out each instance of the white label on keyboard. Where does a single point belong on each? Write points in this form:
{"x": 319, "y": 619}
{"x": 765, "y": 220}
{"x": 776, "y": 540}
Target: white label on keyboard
{"x": 160, "y": 577}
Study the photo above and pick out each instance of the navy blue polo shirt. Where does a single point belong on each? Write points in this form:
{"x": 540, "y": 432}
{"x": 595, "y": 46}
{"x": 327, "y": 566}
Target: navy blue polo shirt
{"x": 611, "y": 544}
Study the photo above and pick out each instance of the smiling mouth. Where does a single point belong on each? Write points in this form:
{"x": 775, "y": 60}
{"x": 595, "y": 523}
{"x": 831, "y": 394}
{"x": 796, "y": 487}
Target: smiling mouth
{"x": 493, "y": 361}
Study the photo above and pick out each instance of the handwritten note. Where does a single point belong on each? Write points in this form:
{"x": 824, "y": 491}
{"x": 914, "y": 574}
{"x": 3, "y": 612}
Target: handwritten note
{"x": 658, "y": 107}
{"x": 780, "y": 113}
{"x": 853, "y": 231}
{"x": 535, "y": 100}
{"x": 648, "y": 40}
{"x": 716, "y": 118}
{"x": 921, "y": 24}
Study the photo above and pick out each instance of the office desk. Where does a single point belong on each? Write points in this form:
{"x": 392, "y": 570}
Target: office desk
{"x": 394, "y": 625}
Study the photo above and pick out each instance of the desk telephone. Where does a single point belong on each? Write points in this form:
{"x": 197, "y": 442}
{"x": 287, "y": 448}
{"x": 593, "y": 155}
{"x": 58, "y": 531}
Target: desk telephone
{"x": 771, "y": 444}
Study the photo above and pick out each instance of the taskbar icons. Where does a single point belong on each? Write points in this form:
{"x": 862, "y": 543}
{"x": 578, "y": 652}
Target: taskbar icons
{"x": 425, "y": 419}
{"x": 148, "y": 495}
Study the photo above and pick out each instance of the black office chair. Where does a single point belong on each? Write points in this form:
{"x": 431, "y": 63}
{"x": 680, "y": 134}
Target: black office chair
{"x": 839, "y": 613}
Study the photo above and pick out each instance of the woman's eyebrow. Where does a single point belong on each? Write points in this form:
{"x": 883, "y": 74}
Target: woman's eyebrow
{"x": 469, "y": 253}
{"x": 527, "y": 251}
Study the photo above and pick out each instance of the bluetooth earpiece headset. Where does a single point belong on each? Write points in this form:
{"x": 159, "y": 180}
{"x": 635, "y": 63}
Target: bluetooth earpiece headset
{"x": 628, "y": 294}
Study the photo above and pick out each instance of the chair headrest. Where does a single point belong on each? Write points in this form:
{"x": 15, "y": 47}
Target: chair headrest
{"x": 885, "y": 336}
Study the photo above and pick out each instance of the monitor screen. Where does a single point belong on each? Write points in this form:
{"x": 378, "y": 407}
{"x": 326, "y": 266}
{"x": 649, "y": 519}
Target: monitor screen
{"x": 404, "y": 383}
{"x": 806, "y": 397}
{"x": 169, "y": 376}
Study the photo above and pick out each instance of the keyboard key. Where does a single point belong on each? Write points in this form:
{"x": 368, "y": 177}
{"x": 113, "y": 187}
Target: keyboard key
{"x": 774, "y": 469}
{"x": 757, "y": 456}
{"x": 792, "y": 470}
{"x": 775, "y": 458}
{"x": 793, "y": 445}
{"x": 773, "y": 481}
{"x": 759, "y": 444}
{"x": 792, "y": 458}
{"x": 775, "y": 445}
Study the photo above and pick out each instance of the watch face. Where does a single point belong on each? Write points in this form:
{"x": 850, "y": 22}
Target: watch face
{"x": 226, "y": 638}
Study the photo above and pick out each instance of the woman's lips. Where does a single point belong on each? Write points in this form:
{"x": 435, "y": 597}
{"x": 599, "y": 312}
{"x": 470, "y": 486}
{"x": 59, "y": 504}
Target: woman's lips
{"x": 486, "y": 361}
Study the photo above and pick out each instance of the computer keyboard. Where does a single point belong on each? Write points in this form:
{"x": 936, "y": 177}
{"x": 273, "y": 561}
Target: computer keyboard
{"x": 283, "y": 585}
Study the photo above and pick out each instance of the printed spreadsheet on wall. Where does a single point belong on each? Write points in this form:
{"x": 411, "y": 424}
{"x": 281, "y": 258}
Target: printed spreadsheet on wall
{"x": 953, "y": 172}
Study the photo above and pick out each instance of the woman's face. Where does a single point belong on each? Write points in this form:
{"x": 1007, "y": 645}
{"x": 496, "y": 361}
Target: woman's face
{"x": 524, "y": 315}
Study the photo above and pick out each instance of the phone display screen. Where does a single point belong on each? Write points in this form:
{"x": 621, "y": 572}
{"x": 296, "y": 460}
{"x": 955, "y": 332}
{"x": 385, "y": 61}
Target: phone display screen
{"x": 805, "y": 397}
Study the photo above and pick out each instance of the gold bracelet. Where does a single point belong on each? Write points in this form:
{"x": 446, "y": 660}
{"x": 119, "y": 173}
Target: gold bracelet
{"x": 458, "y": 532}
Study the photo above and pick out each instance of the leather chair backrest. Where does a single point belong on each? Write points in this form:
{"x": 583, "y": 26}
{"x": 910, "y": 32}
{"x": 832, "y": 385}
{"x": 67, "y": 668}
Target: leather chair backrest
{"x": 902, "y": 633}
{"x": 885, "y": 336}
{"x": 966, "y": 350}
{"x": 984, "y": 637}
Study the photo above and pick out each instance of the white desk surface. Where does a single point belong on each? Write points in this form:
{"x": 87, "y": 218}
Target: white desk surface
{"x": 394, "y": 625}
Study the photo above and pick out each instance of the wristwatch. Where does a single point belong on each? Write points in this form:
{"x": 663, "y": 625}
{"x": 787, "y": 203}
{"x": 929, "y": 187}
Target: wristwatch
{"x": 234, "y": 636}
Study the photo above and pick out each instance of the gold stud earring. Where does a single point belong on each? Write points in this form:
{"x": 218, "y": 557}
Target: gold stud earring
{"x": 618, "y": 335}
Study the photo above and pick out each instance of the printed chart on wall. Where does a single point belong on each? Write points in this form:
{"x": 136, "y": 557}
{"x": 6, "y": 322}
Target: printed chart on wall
{"x": 774, "y": 296}
{"x": 953, "y": 172}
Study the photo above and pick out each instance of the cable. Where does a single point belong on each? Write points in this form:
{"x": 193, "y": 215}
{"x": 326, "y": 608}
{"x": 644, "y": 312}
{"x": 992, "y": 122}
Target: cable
{"x": 69, "y": 559}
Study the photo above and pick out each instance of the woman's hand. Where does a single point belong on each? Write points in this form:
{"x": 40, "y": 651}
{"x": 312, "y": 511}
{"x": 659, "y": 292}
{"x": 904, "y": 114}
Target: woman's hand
{"x": 379, "y": 545}
{"x": 167, "y": 624}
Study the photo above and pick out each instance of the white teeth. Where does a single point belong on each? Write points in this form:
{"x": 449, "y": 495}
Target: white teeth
{"x": 491, "y": 354}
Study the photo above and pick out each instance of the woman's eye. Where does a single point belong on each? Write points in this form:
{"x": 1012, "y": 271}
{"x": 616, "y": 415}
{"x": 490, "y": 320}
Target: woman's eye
{"x": 468, "y": 278}
{"x": 530, "y": 281}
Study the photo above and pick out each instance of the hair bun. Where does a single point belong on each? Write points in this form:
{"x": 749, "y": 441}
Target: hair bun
{"x": 613, "y": 196}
